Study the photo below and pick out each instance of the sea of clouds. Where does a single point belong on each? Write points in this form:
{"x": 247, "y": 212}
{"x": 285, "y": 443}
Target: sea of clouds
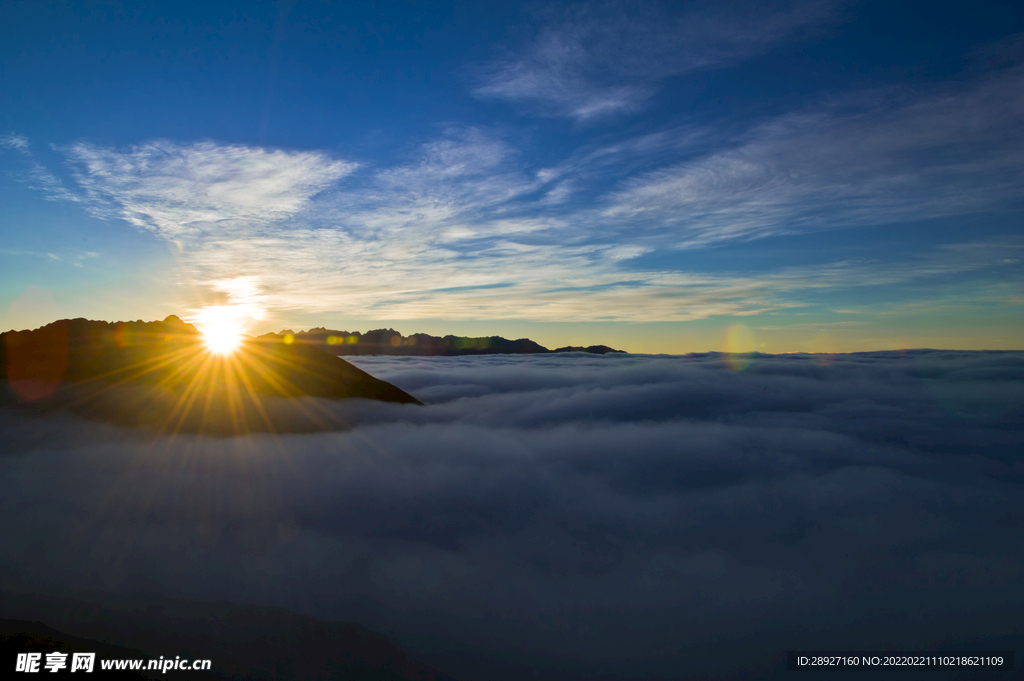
{"x": 573, "y": 516}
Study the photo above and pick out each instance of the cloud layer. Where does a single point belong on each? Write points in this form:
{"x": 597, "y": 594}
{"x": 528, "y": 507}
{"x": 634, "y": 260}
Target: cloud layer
{"x": 575, "y": 516}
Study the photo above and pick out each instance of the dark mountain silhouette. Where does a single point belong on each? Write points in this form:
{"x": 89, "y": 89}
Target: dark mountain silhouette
{"x": 242, "y": 642}
{"x": 160, "y": 374}
{"x": 592, "y": 349}
{"x": 23, "y": 636}
{"x": 390, "y": 342}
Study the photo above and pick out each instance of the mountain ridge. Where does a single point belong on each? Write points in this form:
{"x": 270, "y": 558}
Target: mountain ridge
{"x": 391, "y": 342}
{"x": 373, "y": 342}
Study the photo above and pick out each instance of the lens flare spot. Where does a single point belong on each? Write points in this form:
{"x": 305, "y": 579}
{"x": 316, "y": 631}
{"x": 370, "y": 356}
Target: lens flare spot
{"x": 739, "y": 345}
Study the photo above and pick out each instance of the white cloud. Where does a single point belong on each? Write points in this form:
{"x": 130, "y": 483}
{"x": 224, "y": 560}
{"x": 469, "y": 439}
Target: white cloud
{"x": 442, "y": 237}
{"x": 14, "y": 141}
{"x": 460, "y": 182}
{"x": 326, "y": 271}
{"x": 36, "y": 176}
{"x": 878, "y": 158}
{"x": 181, "y": 190}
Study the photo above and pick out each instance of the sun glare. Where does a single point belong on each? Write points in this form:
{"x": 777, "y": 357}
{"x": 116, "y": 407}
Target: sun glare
{"x": 221, "y": 329}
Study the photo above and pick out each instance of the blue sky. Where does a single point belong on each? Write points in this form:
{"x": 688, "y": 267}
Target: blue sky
{"x": 830, "y": 176}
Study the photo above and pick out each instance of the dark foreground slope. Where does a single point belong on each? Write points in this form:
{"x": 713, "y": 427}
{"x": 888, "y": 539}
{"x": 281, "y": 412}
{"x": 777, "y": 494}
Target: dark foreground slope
{"x": 161, "y": 375}
{"x": 27, "y": 636}
{"x": 241, "y": 642}
{"x": 390, "y": 342}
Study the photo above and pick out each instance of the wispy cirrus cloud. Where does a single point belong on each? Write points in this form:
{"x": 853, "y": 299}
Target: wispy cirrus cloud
{"x": 15, "y": 142}
{"x": 876, "y": 158}
{"x": 450, "y": 191}
{"x": 599, "y": 60}
{"x": 183, "y": 189}
{"x": 328, "y": 271}
{"x": 36, "y": 176}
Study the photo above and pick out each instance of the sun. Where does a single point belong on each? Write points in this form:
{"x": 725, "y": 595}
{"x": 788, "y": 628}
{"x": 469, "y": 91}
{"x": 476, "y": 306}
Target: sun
{"x": 222, "y": 340}
{"x": 221, "y": 329}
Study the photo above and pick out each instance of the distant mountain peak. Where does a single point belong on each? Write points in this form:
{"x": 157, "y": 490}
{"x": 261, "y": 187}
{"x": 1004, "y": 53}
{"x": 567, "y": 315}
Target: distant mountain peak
{"x": 391, "y": 342}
